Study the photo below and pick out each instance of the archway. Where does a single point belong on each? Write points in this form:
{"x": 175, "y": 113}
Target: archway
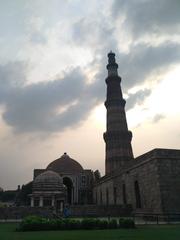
{"x": 68, "y": 183}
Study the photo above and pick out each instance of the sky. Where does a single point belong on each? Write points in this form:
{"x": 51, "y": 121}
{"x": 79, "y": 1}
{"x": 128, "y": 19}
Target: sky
{"x": 52, "y": 79}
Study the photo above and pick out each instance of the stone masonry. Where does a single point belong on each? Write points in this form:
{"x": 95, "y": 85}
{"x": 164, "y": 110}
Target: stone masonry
{"x": 158, "y": 178}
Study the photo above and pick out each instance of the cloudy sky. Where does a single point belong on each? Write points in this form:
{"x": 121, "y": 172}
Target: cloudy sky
{"x": 52, "y": 69}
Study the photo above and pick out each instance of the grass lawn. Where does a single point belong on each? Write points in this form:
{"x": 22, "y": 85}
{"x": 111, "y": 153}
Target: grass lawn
{"x": 168, "y": 232}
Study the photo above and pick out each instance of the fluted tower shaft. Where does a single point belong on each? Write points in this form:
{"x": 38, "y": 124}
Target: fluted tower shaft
{"x": 117, "y": 137}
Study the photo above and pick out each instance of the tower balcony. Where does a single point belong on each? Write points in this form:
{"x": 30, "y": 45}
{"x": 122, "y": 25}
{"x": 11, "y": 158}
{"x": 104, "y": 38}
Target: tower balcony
{"x": 119, "y": 136}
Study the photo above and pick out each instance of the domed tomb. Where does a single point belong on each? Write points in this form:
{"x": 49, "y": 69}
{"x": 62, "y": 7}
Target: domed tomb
{"x": 48, "y": 191}
{"x": 48, "y": 181}
{"x": 65, "y": 164}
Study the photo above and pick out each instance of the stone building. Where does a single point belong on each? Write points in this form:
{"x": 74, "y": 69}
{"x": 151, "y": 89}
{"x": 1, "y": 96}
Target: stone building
{"x": 150, "y": 182}
{"x": 48, "y": 190}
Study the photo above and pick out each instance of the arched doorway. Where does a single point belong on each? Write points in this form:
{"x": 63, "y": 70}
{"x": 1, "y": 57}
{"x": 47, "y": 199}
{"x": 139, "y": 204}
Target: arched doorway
{"x": 68, "y": 183}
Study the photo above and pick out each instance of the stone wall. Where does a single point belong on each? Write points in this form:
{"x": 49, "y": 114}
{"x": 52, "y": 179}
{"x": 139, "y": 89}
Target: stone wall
{"x": 146, "y": 176}
{"x": 21, "y": 212}
{"x": 157, "y": 174}
{"x": 121, "y": 187}
{"x": 169, "y": 180}
{"x": 100, "y": 211}
{"x": 75, "y": 211}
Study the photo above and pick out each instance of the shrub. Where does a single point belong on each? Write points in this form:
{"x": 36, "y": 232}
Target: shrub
{"x": 3, "y": 205}
{"x": 71, "y": 224}
{"x": 89, "y": 223}
{"x": 35, "y": 223}
{"x": 112, "y": 224}
{"x": 103, "y": 224}
{"x": 126, "y": 223}
{"x": 53, "y": 224}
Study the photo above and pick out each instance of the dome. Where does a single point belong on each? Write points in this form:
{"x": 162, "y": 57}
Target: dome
{"x": 48, "y": 181}
{"x": 65, "y": 164}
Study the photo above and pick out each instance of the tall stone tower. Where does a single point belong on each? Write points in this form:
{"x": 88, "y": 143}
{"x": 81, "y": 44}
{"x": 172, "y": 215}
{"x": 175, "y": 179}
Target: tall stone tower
{"x": 117, "y": 137}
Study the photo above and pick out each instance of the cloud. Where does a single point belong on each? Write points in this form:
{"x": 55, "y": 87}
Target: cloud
{"x": 94, "y": 33}
{"x": 137, "y": 98}
{"x": 143, "y": 62}
{"x": 157, "y": 118}
{"x": 35, "y": 107}
{"x": 148, "y": 17}
{"x": 12, "y": 75}
{"x": 46, "y": 106}
{"x": 64, "y": 102}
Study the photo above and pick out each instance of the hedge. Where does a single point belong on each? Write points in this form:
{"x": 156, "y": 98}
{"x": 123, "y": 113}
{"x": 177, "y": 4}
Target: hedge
{"x": 35, "y": 223}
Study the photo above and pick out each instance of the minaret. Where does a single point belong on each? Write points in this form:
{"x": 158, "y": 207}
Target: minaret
{"x": 117, "y": 137}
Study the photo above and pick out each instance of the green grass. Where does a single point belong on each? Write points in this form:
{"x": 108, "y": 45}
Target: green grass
{"x": 168, "y": 232}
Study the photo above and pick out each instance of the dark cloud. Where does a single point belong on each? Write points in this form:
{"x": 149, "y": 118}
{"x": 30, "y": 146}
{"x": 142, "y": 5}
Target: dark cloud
{"x": 148, "y": 16}
{"x": 34, "y": 107}
{"x": 39, "y": 106}
{"x": 137, "y": 98}
{"x": 143, "y": 61}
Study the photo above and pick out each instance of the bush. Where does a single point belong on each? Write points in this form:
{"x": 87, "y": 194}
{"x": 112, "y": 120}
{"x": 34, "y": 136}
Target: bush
{"x": 103, "y": 224}
{"x": 61, "y": 224}
{"x": 112, "y": 224}
{"x": 3, "y": 205}
{"x": 126, "y": 223}
{"x": 35, "y": 223}
{"x": 89, "y": 223}
{"x": 71, "y": 224}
